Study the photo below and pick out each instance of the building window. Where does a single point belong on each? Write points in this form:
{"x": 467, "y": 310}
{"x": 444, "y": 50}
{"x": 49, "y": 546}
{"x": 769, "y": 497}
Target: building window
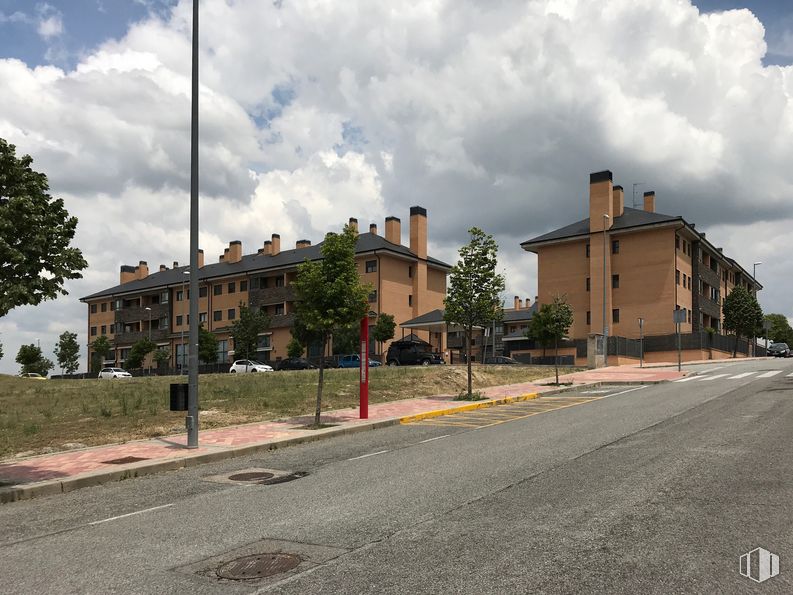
{"x": 104, "y": 307}
{"x": 410, "y": 272}
{"x": 410, "y": 300}
{"x": 93, "y": 331}
{"x": 164, "y": 297}
{"x": 232, "y": 287}
{"x": 685, "y": 283}
{"x": 615, "y": 281}
{"x": 179, "y": 320}
{"x": 371, "y": 266}
{"x": 587, "y": 249}
{"x": 279, "y": 281}
{"x": 243, "y": 286}
{"x": 113, "y": 305}
{"x": 677, "y": 276}
{"x": 373, "y": 297}
{"x": 615, "y": 315}
{"x": 93, "y": 308}
{"x": 104, "y": 329}
{"x": 232, "y": 313}
{"x": 217, "y": 289}
{"x": 179, "y": 295}
{"x": 587, "y": 284}
{"x": 202, "y": 317}
{"x": 164, "y": 322}
{"x": 263, "y": 342}
{"x": 588, "y": 318}
{"x": 217, "y": 315}
{"x": 202, "y": 292}
{"x": 677, "y": 242}
{"x": 223, "y": 350}
{"x": 615, "y": 246}
{"x": 279, "y": 309}
{"x": 689, "y": 316}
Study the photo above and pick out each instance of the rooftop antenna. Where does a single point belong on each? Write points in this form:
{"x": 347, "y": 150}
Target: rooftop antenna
{"x": 634, "y": 192}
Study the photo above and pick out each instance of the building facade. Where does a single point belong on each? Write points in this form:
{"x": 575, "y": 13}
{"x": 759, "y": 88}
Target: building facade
{"x": 405, "y": 282}
{"x": 623, "y": 264}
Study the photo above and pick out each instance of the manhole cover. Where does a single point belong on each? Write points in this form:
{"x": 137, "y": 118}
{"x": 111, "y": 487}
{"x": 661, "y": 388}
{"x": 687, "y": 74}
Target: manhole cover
{"x": 285, "y": 478}
{"x": 251, "y": 476}
{"x": 258, "y": 566}
{"x": 125, "y": 460}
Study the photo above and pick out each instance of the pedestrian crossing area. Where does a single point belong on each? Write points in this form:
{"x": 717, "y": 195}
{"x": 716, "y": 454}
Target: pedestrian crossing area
{"x": 757, "y": 374}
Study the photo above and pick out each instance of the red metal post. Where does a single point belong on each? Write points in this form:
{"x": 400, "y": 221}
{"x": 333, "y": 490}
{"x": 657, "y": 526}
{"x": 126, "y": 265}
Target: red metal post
{"x": 364, "y": 389}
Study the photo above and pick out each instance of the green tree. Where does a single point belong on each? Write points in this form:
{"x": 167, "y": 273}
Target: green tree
{"x": 35, "y": 233}
{"x": 101, "y": 350}
{"x": 553, "y": 323}
{"x": 67, "y": 352}
{"x": 347, "y": 339}
{"x": 329, "y": 295}
{"x": 32, "y": 360}
{"x": 138, "y": 352}
{"x": 207, "y": 346}
{"x": 294, "y": 348}
{"x": 1, "y": 351}
{"x": 538, "y": 329}
{"x": 384, "y": 329}
{"x": 780, "y": 331}
{"x": 742, "y": 315}
{"x": 161, "y": 356}
{"x": 245, "y": 331}
{"x": 474, "y": 289}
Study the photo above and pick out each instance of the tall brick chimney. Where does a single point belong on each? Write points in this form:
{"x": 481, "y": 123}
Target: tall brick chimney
{"x": 268, "y": 248}
{"x": 418, "y": 231}
{"x": 200, "y": 258}
{"x": 649, "y": 201}
{"x": 393, "y": 230}
{"x": 142, "y": 270}
{"x": 373, "y": 228}
{"x": 163, "y": 268}
{"x": 618, "y": 204}
{"x": 276, "y": 241}
{"x": 234, "y": 252}
{"x": 302, "y": 244}
{"x": 516, "y": 303}
{"x": 127, "y": 274}
{"x": 601, "y": 200}
{"x": 354, "y": 224}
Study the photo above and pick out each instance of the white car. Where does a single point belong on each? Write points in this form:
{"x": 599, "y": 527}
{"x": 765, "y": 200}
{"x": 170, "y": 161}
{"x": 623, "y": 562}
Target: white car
{"x": 249, "y": 365}
{"x": 114, "y": 373}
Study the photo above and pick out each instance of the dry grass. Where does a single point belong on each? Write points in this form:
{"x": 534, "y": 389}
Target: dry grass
{"x": 38, "y": 416}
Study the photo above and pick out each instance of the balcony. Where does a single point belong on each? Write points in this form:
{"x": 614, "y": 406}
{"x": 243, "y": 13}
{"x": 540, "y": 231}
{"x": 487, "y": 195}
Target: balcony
{"x": 157, "y": 335}
{"x": 270, "y": 296}
{"x": 136, "y": 313}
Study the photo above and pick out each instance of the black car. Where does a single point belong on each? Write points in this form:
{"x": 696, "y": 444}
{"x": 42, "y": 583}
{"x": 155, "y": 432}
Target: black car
{"x": 295, "y": 363}
{"x": 412, "y": 353}
{"x": 779, "y": 350}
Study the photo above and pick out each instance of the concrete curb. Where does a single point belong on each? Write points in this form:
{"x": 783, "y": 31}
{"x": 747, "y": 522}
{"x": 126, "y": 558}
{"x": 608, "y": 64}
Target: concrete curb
{"x": 19, "y": 492}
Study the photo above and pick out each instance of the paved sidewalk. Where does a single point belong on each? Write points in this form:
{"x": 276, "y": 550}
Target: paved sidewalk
{"x": 70, "y": 470}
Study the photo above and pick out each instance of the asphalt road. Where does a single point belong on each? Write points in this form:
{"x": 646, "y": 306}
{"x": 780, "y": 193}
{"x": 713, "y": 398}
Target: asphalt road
{"x": 658, "y": 489}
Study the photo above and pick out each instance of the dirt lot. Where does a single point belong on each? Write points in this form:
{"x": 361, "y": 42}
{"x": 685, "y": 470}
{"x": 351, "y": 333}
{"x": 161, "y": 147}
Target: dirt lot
{"x": 45, "y": 416}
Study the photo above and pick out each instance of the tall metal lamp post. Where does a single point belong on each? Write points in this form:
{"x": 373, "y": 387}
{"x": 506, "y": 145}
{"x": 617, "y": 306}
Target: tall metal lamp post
{"x": 184, "y": 297}
{"x": 149, "y": 311}
{"x": 754, "y": 278}
{"x": 641, "y": 342}
{"x": 605, "y": 321}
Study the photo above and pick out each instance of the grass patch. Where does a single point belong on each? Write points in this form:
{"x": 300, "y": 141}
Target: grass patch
{"x": 40, "y": 416}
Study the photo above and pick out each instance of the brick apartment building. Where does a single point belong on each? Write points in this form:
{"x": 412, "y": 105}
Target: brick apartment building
{"x": 653, "y": 264}
{"x": 406, "y": 283}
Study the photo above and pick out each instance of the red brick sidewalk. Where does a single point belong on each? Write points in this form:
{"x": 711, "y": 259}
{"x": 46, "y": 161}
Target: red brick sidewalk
{"x": 65, "y": 471}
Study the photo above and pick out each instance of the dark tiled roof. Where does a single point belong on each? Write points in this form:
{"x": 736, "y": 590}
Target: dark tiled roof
{"x": 436, "y": 316}
{"x": 520, "y": 315}
{"x": 367, "y": 242}
{"x": 629, "y": 218}
{"x": 433, "y": 317}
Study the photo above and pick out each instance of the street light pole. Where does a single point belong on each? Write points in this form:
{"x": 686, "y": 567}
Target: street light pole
{"x": 184, "y": 297}
{"x": 605, "y": 322}
{"x": 641, "y": 342}
{"x": 191, "y": 421}
{"x": 754, "y": 279}
{"x": 149, "y": 311}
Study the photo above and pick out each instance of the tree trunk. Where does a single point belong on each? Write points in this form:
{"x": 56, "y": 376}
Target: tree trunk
{"x": 735, "y": 348}
{"x": 318, "y": 410}
{"x": 468, "y": 358}
{"x": 556, "y": 358}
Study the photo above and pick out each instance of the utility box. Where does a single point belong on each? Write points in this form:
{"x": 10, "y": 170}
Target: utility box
{"x": 179, "y": 396}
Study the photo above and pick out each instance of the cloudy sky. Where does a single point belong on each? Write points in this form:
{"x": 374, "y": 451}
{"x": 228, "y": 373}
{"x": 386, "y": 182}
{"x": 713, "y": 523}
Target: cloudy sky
{"x": 313, "y": 111}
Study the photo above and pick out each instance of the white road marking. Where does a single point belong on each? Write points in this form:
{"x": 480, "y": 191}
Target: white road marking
{"x": 436, "y": 438}
{"x": 744, "y": 375}
{"x": 687, "y": 378}
{"x": 122, "y": 516}
{"x": 704, "y": 378}
{"x": 769, "y": 374}
{"x": 790, "y": 375}
{"x": 371, "y": 454}
{"x": 630, "y": 390}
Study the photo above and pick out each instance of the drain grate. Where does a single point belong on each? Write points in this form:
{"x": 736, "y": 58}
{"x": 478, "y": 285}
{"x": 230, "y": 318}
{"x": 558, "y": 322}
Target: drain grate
{"x": 251, "y": 476}
{"x": 125, "y": 460}
{"x": 284, "y": 478}
{"x": 258, "y": 566}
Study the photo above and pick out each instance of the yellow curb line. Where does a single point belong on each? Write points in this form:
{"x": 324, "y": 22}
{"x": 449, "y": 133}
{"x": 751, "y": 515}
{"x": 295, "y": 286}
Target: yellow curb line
{"x": 470, "y": 407}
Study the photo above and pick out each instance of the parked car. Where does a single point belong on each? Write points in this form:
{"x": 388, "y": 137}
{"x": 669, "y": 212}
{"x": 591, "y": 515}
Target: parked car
{"x": 33, "y": 375}
{"x": 295, "y": 363}
{"x": 354, "y": 361}
{"x": 242, "y": 366}
{"x": 779, "y": 350}
{"x": 412, "y": 353}
{"x": 501, "y": 360}
{"x": 111, "y": 373}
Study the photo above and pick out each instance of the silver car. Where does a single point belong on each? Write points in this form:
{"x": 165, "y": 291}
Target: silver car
{"x": 111, "y": 373}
